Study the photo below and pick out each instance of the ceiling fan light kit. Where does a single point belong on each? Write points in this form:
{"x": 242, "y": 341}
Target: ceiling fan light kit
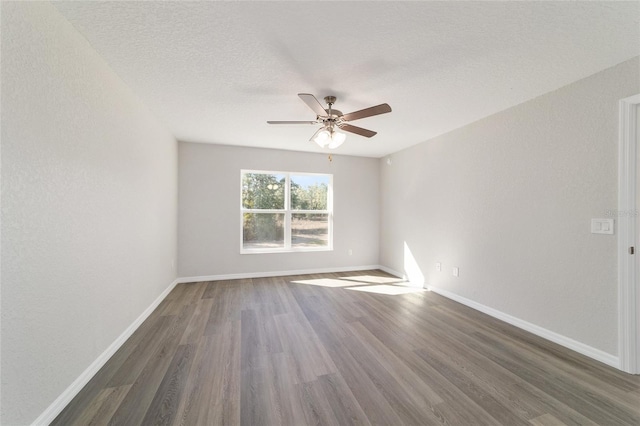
{"x": 329, "y": 135}
{"x": 328, "y": 138}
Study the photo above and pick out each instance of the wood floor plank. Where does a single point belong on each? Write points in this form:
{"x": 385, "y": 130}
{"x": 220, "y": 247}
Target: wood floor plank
{"x": 212, "y": 389}
{"x": 307, "y": 352}
{"x": 310, "y": 350}
{"x": 197, "y": 325}
{"x": 421, "y": 392}
{"x": 227, "y": 387}
{"x": 134, "y": 406}
{"x": 457, "y": 408}
{"x": 256, "y": 391}
{"x": 194, "y": 405}
{"x": 288, "y": 398}
{"x": 100, "y": 410}
{"x": 410, "y": 409}
{"x": 378, "y": 409}
{"x": 546, "y": 420}
{"x": 316, "y": 406}
{"x": 345, "y": 407}
{"x": 233, "y": 295}
{"x": 473, "y": 389}
{"x": 164, "y": 406}
{"x": 139, "y": 360}
{"x": 211, "y": 288}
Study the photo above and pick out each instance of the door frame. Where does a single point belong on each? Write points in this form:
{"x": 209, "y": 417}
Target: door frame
{"x": 628, "y": 288}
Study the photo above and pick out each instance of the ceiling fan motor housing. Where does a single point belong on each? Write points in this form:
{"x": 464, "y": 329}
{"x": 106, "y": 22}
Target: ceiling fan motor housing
{"x": 334, "y": 114}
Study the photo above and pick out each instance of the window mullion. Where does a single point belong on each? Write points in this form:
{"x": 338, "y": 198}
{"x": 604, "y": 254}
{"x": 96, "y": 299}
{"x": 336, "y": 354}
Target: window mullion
{"x": 287, "y": 215}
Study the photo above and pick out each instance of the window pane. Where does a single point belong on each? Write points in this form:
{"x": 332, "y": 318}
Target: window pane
{"x": 263, "y": 191}
{"x": 263, "y": 230}
{"x": 309, "y": 230}
{"x": 309, "y": 192}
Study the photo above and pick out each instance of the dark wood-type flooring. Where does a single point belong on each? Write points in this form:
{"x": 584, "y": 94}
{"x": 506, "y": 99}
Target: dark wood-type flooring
{"x": 313, "y": 350}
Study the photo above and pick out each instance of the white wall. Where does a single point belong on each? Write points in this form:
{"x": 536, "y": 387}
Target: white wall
{"x": 209, "y": 210}
{"x": 89, "y": 202}
{"x": 509, "y": 199}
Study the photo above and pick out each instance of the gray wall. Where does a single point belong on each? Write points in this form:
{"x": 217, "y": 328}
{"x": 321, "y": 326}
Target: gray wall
{"x": 509, "y": 199}
{"x": 89, "y": 202}
{"x": 209, "y": 210}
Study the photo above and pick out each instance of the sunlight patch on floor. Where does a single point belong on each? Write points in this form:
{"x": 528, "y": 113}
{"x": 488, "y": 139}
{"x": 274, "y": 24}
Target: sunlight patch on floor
{"x": 373, "y": 279}
{"x": 325, "y": 282}
{"x": 392, "y": 290}
{"x": 392, "y": 286}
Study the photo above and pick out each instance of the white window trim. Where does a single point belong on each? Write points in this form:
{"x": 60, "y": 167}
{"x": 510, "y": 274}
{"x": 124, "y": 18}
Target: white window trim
{"x": 287, "y": 211}
{"x": 628, "y": 280}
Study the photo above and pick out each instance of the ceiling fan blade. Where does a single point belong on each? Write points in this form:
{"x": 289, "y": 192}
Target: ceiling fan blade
{"x": 292, "y": 122}
{"x": 357, "y": 130}
{"x": 313, "y": 103}
{"x": 367, "y": 112}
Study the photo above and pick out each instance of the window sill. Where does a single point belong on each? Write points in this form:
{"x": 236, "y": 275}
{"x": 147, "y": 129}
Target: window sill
{"x": 274, "y": 251}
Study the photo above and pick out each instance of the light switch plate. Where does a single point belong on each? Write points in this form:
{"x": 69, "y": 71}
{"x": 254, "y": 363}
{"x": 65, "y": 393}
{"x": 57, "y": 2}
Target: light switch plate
{"x": 602, "y": 226}
{"x": 456, "y": 271}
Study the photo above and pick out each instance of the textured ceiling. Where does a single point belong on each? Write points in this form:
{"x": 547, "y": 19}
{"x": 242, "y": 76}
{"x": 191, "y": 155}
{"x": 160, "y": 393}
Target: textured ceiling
{"x": 217, "y": 71}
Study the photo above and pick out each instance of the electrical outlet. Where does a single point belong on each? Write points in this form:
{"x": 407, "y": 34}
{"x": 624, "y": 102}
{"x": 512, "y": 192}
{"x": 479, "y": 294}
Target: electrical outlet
{"x": 439, "y": 267}
{"x": 456, "y": 271}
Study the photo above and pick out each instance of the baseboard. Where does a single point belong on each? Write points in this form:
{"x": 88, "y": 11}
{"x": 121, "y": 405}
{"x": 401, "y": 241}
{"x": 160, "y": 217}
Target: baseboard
{"x": 276, "y": 273}
{"x": 567, "y": 342}
{"x": 65, "y": 398}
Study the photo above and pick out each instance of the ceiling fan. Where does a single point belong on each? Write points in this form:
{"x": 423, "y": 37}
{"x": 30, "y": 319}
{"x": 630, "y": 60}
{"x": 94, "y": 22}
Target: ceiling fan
{"x": 333, "y": 120}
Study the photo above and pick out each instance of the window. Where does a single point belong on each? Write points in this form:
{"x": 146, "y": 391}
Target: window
{"x": 282, "y": 211}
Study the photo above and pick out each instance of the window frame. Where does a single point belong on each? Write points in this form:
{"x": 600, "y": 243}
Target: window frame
{"x": 288, "y": 212}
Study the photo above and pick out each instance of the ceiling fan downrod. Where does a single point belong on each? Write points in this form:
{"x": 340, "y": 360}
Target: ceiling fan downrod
{"x": 330, "y": 100}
